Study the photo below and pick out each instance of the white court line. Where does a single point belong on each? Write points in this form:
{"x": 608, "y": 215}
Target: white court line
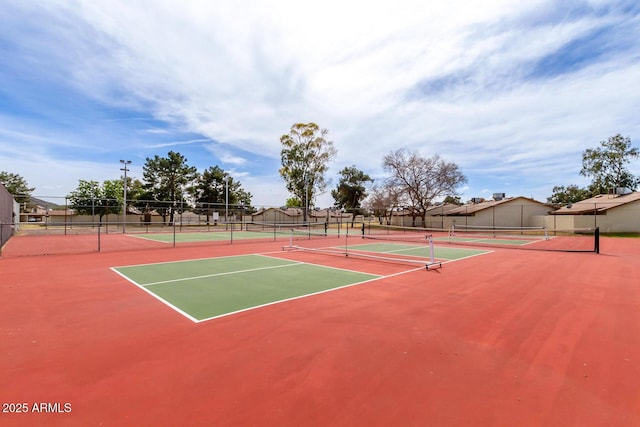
{"x": 393, "y": 251}
{"x": 149, "y": 239}
{"x": 186, "y": 260}
{"x": 227, "y": 273}
{"x": 318, "y": 265}
{"x": 292, "y": 263}
{"x": 446, "y": 260}
{"x": 310, "y": 294}
{"x": 466, "y": 257}
{"x": 162, "y": 300}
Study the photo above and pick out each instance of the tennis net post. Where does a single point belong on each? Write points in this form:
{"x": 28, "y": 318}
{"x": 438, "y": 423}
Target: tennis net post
{"x": 432, "y": 264}
{"x": 358, "y": 252}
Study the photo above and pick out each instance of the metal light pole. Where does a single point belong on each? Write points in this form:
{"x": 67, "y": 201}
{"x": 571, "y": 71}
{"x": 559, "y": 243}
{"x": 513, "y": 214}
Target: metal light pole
{"x": 226, "y": 199}
{"x": 93, "y": 205}
{"x": 306, "y": 200}
{"x": 305, "y": 178}
{"x": 124, "y": 211}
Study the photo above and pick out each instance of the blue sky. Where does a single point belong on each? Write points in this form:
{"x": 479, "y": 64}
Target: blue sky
{"x": 511, "y": 91}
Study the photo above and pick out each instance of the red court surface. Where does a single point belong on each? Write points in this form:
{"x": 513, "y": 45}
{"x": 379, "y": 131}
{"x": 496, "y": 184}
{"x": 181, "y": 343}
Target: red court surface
{"x": 512, "y": 338}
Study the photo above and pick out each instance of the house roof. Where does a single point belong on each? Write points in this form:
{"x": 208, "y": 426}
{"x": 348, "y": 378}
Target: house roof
{"x": 287, "y": 211}
{"x": 441, "y": 209}
{"x": 432, "y": 211}
{"x": 331, "y": 213}
{"x": 296, "y": 212}
{"x": 472, "y": 208}
{"x": 599, "y": 203}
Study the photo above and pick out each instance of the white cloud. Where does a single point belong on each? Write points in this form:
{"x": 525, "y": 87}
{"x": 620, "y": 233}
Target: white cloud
{"x": 177, "y": 143}
{"x": 57, "y": 179}
{"x": 448, "y": 78}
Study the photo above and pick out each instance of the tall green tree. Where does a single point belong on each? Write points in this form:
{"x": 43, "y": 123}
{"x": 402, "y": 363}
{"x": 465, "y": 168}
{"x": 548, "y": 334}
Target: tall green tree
{"x": 210, "y": 192}
{"x": 571, "y": 194}
{"x": 454, "y": 200}
{"x": 167, "y": 181}
{"x": 92, "y": 198}
{"x": 17, "y": 186}
{"x": 351, "y": 190}
{"x": 306, "y": 153}
{"x": 135, "y": 190}
{"x": 421, "y": 179}
{"x": 607, "y": 165}
{"x": 293, "y": 202}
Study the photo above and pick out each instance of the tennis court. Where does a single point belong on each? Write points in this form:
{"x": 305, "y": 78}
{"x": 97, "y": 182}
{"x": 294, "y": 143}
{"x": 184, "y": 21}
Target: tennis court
{"x": 530, "y": 238}
{"x": 205, "y": 289}
{"x": 231, "y": 235}
{"x": 321, "y": 331}
{"x": 239, "y": 232}
{"x": 210, "y": 236}
{"x": 209, "y": 288}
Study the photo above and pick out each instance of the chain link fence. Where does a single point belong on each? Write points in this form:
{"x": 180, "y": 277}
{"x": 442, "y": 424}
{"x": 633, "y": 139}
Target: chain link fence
{"x": 99, "y": 217}
{"x": 6, "y": 215}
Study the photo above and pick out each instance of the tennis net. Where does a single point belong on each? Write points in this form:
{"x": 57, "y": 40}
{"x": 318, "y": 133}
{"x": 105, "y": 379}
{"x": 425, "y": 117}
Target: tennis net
{"x": 289, "y": 230}
{"x": 414, "y": 252}
{"x": 532, "y": 238}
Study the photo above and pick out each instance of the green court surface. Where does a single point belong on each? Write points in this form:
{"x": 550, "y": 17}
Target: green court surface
{"x": 213, "y": 236}
{"x": 209, "y": 288}
{"x": 422, "y": 251}
{"x": 187, "y": 237}
{"x": 516, "y": 241}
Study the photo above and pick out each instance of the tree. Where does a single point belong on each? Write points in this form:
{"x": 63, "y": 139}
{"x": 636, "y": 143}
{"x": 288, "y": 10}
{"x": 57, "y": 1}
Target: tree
{"x": 91, "y": 198}
{"x": 606, "y": 165}
{"x": 293, "y": 202}
{"x": 135, "y": 191}
{"x": 17, "y": 186}
{"x": 210, "y": 190}
{"x": 383, "y": 200}
{"x": 305, "y": 156}
{"x": 242, "y": 197}
{"x": 167, "y": 181}
{"x": 454, "y": 200}
{"x": 351, "y": 190}
{"x": 421, "y": 180}
{"x": 571, "y": 194}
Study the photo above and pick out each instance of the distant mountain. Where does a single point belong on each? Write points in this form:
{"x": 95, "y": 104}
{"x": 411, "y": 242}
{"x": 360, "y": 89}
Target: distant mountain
{"x": 43, "y": 203}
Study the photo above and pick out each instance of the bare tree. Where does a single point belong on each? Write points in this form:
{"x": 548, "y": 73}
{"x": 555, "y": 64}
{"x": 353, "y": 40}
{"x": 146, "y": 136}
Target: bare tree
{"x": 421, "y": 179}
{"x": 382, "y": 201}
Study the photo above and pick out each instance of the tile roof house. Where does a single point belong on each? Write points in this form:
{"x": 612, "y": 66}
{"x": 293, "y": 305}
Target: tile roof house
{"x": 503, "y": 212}
{"x": 296, "y": 215}
{"x": 610, "y": 212}
{"x": 433, "y": 217}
